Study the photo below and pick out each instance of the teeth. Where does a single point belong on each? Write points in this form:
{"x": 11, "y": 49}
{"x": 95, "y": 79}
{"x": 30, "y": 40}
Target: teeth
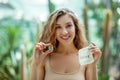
{"x": 65, "y": 37}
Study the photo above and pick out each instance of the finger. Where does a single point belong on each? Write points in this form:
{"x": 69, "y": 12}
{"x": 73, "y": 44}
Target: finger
{"x": 48, "y": 44}
{"x": 47, "y": 52}
{"x": 93, "y": 47}
{"x": 96, "y": 52}
{"x": 41, "y": 45}
{"x": 37, "y": 55}
{"x": 44, "y": 54}
{"x": 93, "y": 52}
{"x": 93, "y": 44}
{"x": 36, "y": 49}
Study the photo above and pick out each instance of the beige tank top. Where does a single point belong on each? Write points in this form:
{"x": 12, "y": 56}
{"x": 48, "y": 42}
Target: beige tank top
{"x": 50, "y": 74}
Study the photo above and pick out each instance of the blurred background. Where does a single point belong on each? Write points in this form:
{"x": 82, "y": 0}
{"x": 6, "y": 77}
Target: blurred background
{"x": 21, "y": 22}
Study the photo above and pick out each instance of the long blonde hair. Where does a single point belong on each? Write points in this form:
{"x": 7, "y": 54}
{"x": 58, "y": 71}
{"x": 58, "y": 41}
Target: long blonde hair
{"x": 48, "y": 34}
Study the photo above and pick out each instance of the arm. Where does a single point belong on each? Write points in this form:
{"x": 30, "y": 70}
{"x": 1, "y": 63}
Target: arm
{"x": 33, "y": 72}
{"x": 38, "y": 61}
{"x": 40, "y": 73}
{"x": 91, "y": 73}
{"x": 91, "y": 69}
{"x": 37, "y": 72}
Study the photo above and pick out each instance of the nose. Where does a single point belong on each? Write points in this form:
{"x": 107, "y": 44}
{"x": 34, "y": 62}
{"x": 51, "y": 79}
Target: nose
{"x": 64, "y": 31}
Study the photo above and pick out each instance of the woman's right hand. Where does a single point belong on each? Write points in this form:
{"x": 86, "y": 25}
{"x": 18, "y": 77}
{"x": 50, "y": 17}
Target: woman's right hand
{"x": 39, "y": 54}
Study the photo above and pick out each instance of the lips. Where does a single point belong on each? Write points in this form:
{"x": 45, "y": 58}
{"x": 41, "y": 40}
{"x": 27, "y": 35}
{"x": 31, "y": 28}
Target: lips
{"x": 65, "y": 37}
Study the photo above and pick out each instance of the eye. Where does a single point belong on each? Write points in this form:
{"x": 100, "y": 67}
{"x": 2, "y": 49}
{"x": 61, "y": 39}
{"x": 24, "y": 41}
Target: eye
{"x": 69, "y": 25}
{"x": 58, "y": 27}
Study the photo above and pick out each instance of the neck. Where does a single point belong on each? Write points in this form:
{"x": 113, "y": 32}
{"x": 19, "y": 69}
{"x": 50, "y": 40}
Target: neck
{"x": 66, "y": 49}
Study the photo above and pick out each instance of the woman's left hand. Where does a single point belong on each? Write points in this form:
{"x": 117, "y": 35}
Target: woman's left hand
{"x": 96, "y": 53}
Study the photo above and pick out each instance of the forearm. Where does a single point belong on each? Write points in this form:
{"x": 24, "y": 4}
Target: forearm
{"x": 33, "y": 72}
{"x": 91, "y": 73}
{"x": 37, "y": 72}
{"x": 40, "y": 73}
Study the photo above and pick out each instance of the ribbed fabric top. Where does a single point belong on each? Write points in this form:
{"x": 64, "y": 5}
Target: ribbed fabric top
{"x": 51, "y": 74}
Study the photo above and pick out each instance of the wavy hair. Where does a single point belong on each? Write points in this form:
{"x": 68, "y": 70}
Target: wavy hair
{"x": 48, "y": 34}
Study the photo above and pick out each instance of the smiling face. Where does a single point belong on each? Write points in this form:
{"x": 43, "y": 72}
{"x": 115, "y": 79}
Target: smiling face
{"x": 65, "y": 30}
{"x": 63, "y": 27}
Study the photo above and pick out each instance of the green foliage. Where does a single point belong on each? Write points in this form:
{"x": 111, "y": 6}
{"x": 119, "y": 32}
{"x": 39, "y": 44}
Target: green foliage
{"x": 9, "y": 40}
{"x": 51, "y": 6}
{"x": 11, "y": 37}
{"x": 103, "y": 77}
{"x": 97, "y": 13}
{"x": 3, "y": 76}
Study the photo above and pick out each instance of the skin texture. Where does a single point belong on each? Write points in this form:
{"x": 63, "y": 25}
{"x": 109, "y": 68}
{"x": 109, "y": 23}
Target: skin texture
{"x": 64, "y": 58}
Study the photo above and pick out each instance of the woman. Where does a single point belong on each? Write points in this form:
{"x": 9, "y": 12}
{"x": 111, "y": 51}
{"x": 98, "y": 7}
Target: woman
{"x": 64, "y": 31}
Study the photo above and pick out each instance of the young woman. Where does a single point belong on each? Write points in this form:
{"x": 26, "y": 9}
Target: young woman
{"x": 64, "y": 32}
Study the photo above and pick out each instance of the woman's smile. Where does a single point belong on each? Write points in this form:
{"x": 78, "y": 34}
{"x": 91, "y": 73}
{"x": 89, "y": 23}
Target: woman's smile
{"x": 65, "y": 37}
